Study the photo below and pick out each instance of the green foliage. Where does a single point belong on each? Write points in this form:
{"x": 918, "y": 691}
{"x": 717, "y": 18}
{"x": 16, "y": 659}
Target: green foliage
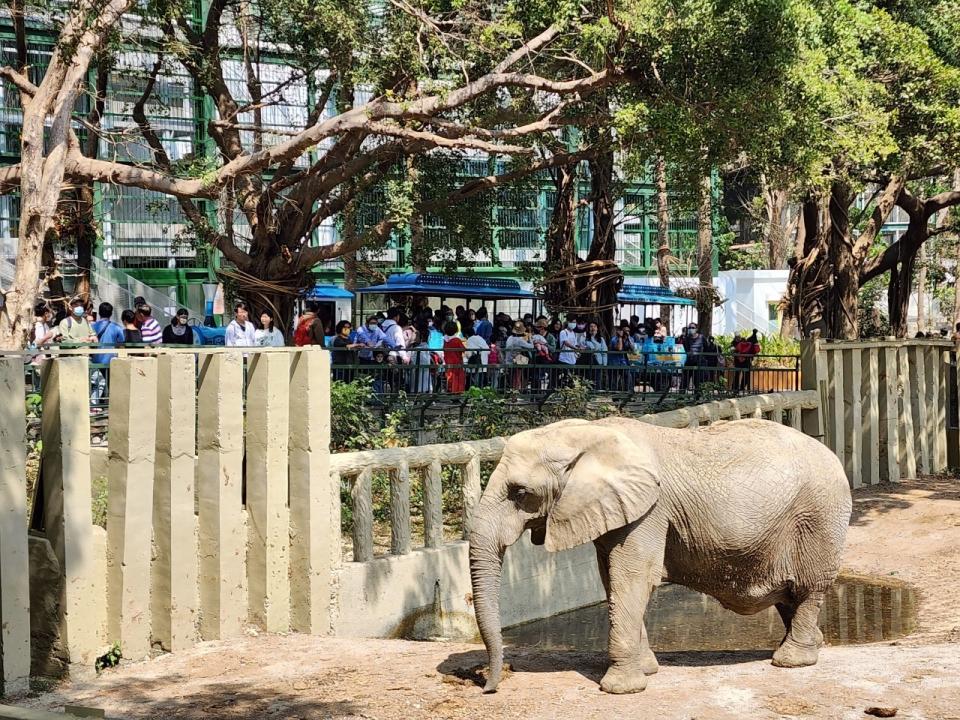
{"x": 354, "y": 426}
{"x": 109, "y": 659}
{"x": 98, "y": 501}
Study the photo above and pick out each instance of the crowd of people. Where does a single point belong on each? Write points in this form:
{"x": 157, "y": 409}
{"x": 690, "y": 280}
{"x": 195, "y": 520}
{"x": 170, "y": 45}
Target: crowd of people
{"x": 445, "y": 350}
{"x": 453, "y": 349}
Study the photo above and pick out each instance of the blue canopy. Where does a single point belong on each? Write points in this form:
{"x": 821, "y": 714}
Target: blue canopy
{"x": 327, "y": 292}
{"x": 457, "y": 286}
{"x": 650, "y": 295}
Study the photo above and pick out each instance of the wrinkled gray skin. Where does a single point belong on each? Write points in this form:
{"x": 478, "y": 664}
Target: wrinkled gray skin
{"x": 751, "y": 512}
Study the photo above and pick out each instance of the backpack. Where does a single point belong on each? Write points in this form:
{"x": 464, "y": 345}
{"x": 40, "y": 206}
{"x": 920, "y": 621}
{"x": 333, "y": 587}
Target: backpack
{"x": 301, "y": 336}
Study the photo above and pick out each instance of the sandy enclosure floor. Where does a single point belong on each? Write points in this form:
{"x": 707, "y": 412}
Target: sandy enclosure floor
{"x": 910, "y": 531}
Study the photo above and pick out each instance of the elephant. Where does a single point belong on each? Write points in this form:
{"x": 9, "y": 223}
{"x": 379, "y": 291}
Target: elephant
{"x": 751, "y": 512}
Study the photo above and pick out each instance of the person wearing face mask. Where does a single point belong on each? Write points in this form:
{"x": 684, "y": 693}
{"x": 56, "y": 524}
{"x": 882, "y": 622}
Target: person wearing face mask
{"x": 74, "y": 329}
{"x": 150, "y": 329}
{"x": 569, "y": 343}
{"x": 693, "y": 343}
{"x": 240, "y": 332}
{"x": 178, "y": 332}
{"x": 368, "y": 337}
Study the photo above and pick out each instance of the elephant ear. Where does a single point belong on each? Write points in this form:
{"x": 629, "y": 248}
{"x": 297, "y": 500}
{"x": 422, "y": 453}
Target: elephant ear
{"x": 611, "y": 481}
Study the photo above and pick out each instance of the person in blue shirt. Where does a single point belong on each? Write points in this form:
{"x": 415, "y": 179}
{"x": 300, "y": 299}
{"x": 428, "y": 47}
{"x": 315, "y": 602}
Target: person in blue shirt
{"x": 370, "y": 336}
{"x": 109, "y": 335}
{"x": 483, "y": 327}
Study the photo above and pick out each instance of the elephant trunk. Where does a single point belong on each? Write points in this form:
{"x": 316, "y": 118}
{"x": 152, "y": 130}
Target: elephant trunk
{"x": 489, "y": 539}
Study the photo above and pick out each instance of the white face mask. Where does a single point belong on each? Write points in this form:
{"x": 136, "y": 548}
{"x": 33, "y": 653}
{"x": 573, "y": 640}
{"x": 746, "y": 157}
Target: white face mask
{"x": 571, "y": 326}
{"x": 78, "y": 311}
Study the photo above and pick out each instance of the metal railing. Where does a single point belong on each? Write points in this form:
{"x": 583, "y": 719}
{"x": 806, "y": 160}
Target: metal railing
{"x": 424, "y": 371}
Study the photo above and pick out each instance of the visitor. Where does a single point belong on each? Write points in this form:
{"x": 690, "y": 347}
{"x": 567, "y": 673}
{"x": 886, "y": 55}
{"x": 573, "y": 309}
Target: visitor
{"x": 267, "y": 335}
{"x": 109, "y": 335}
{"x": 518, "y": 352}
{"x": 368, "y": 337}
{"x": 542, "y": 356}
{"x": 309, "y": 330}
{"x": 393, "y": 333}
{"x": 131, "y": 333}
{"x": 410, "y": 337}
{"x": 596, "y": 347}
{"x": 712, "y": 360}
{"x": 553, "y": 338}
{"x": 476, "y": 357}
{"x": 423, "y": 360}
{"x": 150, "y": 329}
{"x": 745, "y": 349}
{"x": 483, "y": 327}
{"x": 621, "y": 345}
{"x": 74, "y": 329}
{"x": 342, "y": 354}
{"x": 569, "y": 348}
{"x": 434, "y": 336}
{"x": 956, "y": 338}
{"x": 693, "y": 343}
{"x": 240, "y": 332}
{"x": 42, "y": 334}
{"x": 178, "y": 332}
{"x": 453, "y": 348}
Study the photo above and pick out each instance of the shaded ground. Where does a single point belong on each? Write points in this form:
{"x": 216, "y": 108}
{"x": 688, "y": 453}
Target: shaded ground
{"x": 911, "y": 531}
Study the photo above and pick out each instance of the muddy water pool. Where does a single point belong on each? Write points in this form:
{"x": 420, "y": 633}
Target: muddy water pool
{"x": 857, "y": 610}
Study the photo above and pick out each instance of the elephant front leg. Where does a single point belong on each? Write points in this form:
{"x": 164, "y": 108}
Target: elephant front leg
{"x": 648, "y": 661}
{"x": 632, "y": 578}
{"x": 801, "y": 646}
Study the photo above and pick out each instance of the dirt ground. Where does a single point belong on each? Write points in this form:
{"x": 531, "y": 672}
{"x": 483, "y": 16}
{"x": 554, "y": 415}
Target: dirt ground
{"x": 911, "y": 531}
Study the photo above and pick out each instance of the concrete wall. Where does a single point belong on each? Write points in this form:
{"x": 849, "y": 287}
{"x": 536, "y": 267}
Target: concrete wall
{"x": 396, "y": 596}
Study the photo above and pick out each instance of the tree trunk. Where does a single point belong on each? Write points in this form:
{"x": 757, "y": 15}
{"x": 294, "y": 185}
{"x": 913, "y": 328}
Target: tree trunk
{"x": 663, "y": 234}
{"x": 846, "y": 271}
{"x": 921, "y": 288}
{"x": 809, "y": 282}
{"x": 604, "y": 244}
{"x": 705, "y": 296}
{"x": 561, "y": 250}
{"x": 778, "y": 239}
{"x": 52, "y": 276}
{"x": 898, "y": 294}
{"x": 86, "y": 238}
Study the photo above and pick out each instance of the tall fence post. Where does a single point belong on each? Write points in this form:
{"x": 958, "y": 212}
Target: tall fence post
{"x": 850, "y": 365}
{"x": 889, "y": 407}
{"x": 314, "y": 495}
{"x": 14, "y": 567}
{"x": 268, "y": 531}
{"x": 472, "y": 491}
{"x": 870, "y": 442}
{"x": 908, "y": 452}
{"x": 920, "y": 397}
{"x": 68, "y": 517}
{"x": 173, "y": 598}
{"x": 219, "y": 490}
{"x": 813, "y": 372}
{"x": 942, "y": 364}
{"x": 130, "y": 468}
{"x": 361, "y": 493}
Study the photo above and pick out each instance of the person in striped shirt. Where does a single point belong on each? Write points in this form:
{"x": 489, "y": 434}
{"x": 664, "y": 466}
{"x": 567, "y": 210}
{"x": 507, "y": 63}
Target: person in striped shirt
{"x": 150, "y": 329}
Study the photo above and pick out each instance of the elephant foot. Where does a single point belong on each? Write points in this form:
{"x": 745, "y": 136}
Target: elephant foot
{"x": 648, "y": 662}
{"x": 792, "y": 654}
{"x": 620, "y": 680}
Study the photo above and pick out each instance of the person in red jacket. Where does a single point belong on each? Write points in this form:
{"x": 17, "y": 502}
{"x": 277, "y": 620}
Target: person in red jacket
{"x": 744, "y": 350}
{"x": 453, "y": 348}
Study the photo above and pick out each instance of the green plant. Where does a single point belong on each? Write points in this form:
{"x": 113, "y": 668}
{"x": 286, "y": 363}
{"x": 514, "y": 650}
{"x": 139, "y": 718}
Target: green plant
{"x": 98, "y": 501}
{"x": 109, "y": 659}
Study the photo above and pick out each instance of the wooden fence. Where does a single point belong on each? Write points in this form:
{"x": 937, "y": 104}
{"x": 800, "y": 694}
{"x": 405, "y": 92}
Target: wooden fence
{"x": 885, "y": 405}
{"x": 186, "y": 556}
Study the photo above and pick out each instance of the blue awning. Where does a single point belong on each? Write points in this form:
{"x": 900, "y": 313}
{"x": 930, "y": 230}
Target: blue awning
{"x": 650, "y": 295}
{"x": 327, "y": 292}
{"x": 456, "y": 286}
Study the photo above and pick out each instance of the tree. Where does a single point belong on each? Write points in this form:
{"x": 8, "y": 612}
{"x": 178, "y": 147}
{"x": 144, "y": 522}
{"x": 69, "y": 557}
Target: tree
{"x": 478, "y": 78}
{"x": 877, "y": 101}
{"x": 47, "y": 145}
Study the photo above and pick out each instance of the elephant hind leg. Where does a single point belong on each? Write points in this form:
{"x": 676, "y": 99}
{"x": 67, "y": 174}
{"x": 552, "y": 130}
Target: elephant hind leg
{"x": 801, "y": 645}
{"x": 787, "y": 610}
